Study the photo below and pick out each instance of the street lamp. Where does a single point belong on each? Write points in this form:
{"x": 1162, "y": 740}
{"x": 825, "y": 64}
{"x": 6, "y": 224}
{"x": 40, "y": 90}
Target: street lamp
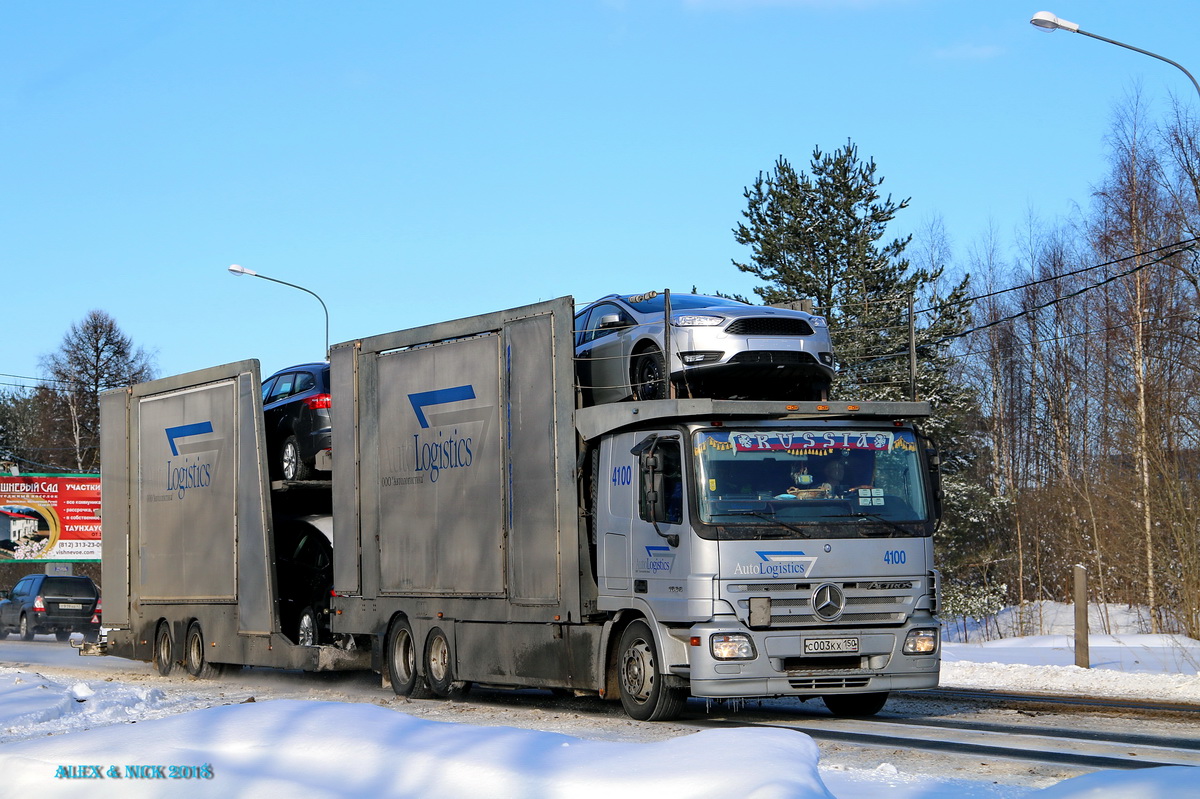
{"x": 241, "y": 270}
{"x": 1046, "y": 21}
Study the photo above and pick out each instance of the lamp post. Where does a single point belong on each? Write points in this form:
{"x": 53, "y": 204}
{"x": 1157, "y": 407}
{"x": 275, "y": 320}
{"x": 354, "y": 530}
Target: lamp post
{"x": 235, "y": 269}
{"x": 1046, "y": 21}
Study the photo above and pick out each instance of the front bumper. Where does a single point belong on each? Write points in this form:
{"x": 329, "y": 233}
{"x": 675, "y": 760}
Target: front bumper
{"x": 780, "y": 667}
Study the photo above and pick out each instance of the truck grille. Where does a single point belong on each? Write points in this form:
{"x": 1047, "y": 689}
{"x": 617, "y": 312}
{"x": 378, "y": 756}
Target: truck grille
{"x": 794, "y": 607}
{"x": 822, "y": 683}
{"x": 769, "y": 326}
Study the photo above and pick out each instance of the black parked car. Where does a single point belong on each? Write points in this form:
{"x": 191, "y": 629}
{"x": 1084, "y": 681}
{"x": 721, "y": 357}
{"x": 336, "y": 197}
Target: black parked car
{"x": 296, "y": 406}
{"x": 59, "y": 604}
{"x": 304, "y": 567}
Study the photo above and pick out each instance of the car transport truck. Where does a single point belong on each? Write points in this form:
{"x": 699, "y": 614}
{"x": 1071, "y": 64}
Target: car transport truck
{"x": 488, "y": 530}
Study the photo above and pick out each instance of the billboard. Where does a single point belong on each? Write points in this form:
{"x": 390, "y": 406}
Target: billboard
{"x": 50, "y": 517}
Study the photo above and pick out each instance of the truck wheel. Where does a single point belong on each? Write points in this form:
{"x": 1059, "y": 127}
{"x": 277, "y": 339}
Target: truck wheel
{"x": 855, "y": 705}
{"x": 402, "y": 661}
{"x": 644, "y": 694}
{"x": 439, "y": 667}
{"x": 193, "y": 655}
{"x": 308, "y": 632}
{"x": 25, "y": 630}
{"x": 650, "y": 376}
{"x": 290, "y": 464}
{"x": 164, "y": 650}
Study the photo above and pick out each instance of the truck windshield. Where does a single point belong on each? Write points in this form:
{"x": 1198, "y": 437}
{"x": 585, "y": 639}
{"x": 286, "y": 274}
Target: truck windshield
{"x": 812, "y": 482}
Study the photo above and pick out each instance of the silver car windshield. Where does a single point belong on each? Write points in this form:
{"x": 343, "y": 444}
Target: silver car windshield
{"x": 655, "y": 303}
{"x": 811, "y": 482}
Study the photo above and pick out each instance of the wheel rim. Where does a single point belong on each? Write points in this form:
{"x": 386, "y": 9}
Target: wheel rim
{"x": 637, "y": 671}
{"x": 164, "y": 649}
{"x": 195, "y": 651}
{"x": 290, "y": 460}
{"x": 439, "y": 660}
{"x": 24, "y": 626}
{"x": 308, "y": 630}
{"x": 404, "y": 656}
{"x": 649, "y": 376}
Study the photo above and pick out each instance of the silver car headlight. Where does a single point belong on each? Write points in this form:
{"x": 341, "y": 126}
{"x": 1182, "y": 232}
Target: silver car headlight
{"x": 697, "y": 321}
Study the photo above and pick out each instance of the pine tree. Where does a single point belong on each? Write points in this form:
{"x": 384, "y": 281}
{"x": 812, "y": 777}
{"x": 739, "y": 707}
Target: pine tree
{"x": 821, "y": 236}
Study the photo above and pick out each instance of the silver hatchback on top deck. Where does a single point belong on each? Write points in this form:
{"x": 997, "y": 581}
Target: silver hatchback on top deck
{"x": 719, "y": 348}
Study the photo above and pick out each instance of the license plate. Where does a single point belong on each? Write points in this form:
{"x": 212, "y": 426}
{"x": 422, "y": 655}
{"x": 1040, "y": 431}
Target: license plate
{"x": 821, "y": 646}
{"x": 70, "y": 606}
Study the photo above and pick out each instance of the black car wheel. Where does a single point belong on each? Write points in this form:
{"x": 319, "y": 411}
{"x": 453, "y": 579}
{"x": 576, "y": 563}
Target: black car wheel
{"x": 308, "y": 631}
{"x": 26, "y": 629}
{"x": 650, "y": 376}
{"x": 290, "y": 464}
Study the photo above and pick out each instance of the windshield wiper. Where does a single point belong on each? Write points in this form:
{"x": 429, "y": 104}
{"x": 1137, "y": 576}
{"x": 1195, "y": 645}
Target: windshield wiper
{"x": 873, "y": 517}
{"x": 765, "y": 517}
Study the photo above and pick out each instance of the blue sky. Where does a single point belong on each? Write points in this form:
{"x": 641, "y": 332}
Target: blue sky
{"x": 414, "y": 162}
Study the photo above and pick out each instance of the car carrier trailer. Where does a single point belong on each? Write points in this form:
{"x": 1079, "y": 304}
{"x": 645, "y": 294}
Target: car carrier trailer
{"x": 488, "y": 530}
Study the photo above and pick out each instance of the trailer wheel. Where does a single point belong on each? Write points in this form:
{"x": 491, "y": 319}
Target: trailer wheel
{"x": 308, "y": 632}
{"x": 26, "y": 630}
{"x": 439, "y": 667}
{"x": 855, "y": 705}
{"x": 402, "y": 660}
{"x": 644, "y": 692}
{"x": 164, "y": 649}
{"x": 193, "y": 654}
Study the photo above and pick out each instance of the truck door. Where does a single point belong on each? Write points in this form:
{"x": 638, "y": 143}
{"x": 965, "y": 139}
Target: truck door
{"x": 660, "y": 539}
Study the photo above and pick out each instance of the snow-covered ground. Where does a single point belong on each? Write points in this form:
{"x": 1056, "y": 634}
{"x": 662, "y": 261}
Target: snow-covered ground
{"x": 120, "y": 732}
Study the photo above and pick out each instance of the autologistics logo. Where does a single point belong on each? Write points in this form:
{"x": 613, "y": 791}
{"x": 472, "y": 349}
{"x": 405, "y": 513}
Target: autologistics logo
{"x": 194, "y": 454}
{"x": 658, "y": 559}
{"x": 778, "y": 564}
{"x": 445, "y": 446}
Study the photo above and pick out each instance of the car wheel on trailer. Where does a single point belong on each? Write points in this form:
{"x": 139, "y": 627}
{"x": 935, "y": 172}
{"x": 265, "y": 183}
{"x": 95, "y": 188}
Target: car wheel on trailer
{"x": 402, "y": 660}
{"x": 650, "y": 376}
{"x": 193, "y": 654}
{"x": 855, "y": 705}
{"x": 439, "y": 666}
{"x": 290, "y": 464}
{"x": 164, "y": 649}
{"x": 25, "y": 629}
{"x": 644, "y": 692}
{"x": 308, "y": 632}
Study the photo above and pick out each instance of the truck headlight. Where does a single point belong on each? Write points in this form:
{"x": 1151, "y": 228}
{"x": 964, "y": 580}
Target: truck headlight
{"x": 921, "y": 642}
{"x": 732, "y": 646}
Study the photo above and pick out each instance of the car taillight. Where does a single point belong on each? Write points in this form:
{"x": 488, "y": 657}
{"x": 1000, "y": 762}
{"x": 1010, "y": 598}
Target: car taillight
{"x": 39, "y": 604}
{"x": 97, "y": 604}
{"x": 318, "y": 402}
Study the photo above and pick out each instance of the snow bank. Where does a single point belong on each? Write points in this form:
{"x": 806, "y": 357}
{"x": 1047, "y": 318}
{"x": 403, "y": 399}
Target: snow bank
{"x": 329, "y": 749}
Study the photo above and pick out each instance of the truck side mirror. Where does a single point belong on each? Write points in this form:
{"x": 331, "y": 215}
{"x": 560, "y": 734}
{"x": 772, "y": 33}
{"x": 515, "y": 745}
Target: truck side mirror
{"x": 934, "y": 459}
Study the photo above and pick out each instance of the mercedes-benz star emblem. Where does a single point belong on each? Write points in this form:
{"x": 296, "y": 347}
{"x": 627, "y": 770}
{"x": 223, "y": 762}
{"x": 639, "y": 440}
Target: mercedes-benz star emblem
{"x": 828, "y": 601}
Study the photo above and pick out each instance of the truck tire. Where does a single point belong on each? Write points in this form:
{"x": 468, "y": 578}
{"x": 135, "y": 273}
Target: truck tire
{"x": 291, "y": 467}
{"x": 25, "y": 629}
{"x": 855, "y": 705}
{"x": 164, "y": 649}
{"x": 439, "y": 667}
{"x": 645, "y": 694}
{"x": 402, "y": 661}
{"x": 194, "y": 660}
{"x": 308, "y": 630}
{"x": 650, "y": 375}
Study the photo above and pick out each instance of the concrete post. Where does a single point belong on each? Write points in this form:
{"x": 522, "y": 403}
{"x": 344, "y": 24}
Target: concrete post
{"x": 1082, "y": 656}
